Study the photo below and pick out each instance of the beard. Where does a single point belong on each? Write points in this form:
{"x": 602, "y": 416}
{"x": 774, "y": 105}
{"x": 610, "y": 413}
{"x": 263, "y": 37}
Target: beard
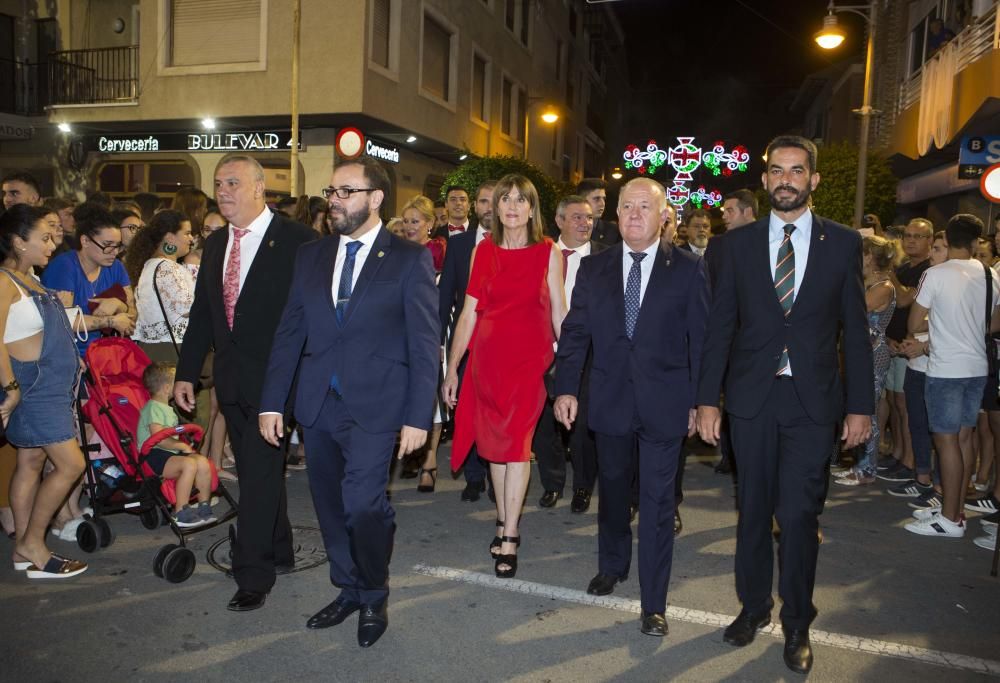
{"x": 486, "y": 220}
{"x": 346, "y": 222}
{"x": 797, "y": 201}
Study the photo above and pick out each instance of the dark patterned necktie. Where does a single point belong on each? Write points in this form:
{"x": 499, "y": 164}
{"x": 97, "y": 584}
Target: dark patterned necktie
{"x": 633, "y": 288}
{"x": 346, "y": 280}
{"x": 784, "y": 283}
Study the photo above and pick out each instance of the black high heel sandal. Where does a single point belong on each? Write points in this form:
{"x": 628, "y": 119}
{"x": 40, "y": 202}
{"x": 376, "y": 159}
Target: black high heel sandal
{"x": 509, "y": 560}
{"x": 424, "y": 488}
{"x": 496, "y": 542}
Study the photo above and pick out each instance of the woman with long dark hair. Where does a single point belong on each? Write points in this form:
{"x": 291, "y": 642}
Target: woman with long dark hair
{"x": 39, "y": 368}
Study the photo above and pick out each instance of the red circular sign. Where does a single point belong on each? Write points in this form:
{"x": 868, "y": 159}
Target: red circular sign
{"x": 350, "y": 143}
{"x": 989, "y": 183}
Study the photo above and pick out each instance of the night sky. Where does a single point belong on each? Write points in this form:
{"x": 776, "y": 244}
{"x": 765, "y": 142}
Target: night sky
{"x": 722, "y": 69}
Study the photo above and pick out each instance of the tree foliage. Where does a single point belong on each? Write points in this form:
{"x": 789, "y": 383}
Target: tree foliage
{"x": 476, "y": 171}
{"x": 838, "y": 169}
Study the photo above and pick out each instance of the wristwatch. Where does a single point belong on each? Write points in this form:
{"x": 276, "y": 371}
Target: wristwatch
{"x": 13, "y": 386}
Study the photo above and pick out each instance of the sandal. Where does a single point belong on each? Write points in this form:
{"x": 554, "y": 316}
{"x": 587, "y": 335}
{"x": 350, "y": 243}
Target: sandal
{"x": 496, "y": 542}
{"x": 427, "y": 488}
{"x": 509, "y": 560}
{"x": 57, "y": 568}
{"x": 855, "y": 479}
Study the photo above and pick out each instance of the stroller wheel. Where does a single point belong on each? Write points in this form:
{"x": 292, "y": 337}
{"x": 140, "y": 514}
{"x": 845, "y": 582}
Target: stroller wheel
{"x": 178, "y": 565}
{"x": 151, "y": 518}
{"x": 161, "y": 555}
{"x": 88, "y": 536}
{"x": 106, "y": 535}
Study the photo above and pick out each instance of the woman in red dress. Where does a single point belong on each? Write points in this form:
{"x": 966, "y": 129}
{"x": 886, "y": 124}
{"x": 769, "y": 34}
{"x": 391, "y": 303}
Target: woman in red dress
{"x": 514, "y": 307}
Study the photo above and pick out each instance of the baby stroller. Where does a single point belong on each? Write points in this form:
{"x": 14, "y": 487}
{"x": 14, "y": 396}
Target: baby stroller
{"x": 113, "y": 380}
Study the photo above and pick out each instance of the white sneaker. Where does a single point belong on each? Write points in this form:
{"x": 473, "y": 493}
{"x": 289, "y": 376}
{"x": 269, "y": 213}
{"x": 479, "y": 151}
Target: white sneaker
{"x": 68, "y": 532}
{"x": 990, "y": 529}
{"x": 937, "y": 525}
{"x": 988, "y": 542}
{"x": 926, "y": 513}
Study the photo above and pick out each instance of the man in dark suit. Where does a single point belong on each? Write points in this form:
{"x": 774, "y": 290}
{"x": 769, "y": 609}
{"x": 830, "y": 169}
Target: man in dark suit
{"x": 595, "y": 191}
{"x": 787, "y": 285}
{"x": 456, "y": 204}
{"x": 361, "y": 321}
{"x": 698, "y": 226}
{"x": 242, "y": 286}
{"x": 642, "y": 308}
{"x": 575, "y": 220}
{"x": 451, "y": 291}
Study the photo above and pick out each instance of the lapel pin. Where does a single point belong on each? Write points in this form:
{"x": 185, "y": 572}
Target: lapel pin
{"x": 668, "y": 262}
{"x": 271, "y": 243}
{"x": 381, "y": 254}
{"x": 822, "y": 236}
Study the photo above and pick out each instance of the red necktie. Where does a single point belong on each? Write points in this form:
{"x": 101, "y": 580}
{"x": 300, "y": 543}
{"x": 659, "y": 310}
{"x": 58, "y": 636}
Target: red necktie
{"x": 566, "y": 253}
{"x": 456, "y": 228}
{"x": 231, "y": 278}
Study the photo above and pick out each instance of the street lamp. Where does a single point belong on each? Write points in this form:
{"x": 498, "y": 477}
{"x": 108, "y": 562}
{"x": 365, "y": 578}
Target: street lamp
{"x": 549, "y": 116}
{"x": 831, "y": 36}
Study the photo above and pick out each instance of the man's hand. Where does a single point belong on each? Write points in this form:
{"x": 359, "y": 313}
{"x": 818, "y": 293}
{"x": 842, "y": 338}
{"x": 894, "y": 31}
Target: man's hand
{"x": 272, "y": 428}
{"x": 565, "y": 409}
{"x": 108, "y": 307}
{"x": 410, "y": 439}
{"x": 857, "y": 429}
{"x": 184, "y": 396}
{"x": 122, "y": 323}
{"x": 692, "y": 422}
{"x": 911, "y": 348}
{"x": 709, "y": 421}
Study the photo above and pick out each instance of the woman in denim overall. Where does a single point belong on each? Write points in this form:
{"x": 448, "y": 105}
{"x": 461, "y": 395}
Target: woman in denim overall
{"x": 37, "y": 405}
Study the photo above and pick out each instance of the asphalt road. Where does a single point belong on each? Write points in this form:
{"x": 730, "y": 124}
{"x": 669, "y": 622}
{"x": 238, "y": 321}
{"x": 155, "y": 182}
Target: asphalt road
{"x": 892, "y": 606}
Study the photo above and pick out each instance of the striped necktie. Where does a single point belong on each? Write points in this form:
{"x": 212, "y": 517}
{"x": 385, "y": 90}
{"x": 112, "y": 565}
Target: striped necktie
{"x": 784, "y": 283}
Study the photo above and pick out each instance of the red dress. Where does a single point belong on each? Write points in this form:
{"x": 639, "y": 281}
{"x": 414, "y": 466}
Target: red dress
{"x": 511, "y": 348}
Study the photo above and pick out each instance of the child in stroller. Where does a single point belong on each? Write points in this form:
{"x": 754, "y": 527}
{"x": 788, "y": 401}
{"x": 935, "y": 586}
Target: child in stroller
{"x": 173, "y": 458}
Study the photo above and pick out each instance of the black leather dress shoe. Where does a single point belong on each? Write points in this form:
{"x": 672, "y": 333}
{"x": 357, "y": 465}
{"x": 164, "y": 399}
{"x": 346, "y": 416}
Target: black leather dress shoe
{"x": 581, "y": 501}
{"x": 333, "y": 614}
{"x": 549, "y": 499}
{"x": 372, "y": 623}
{"x": 725, "y": 466}
{"x": 678, "y": 524}
{"x": 244, "y": 601}
{"x": 744, "y": 628}
{"x": 470, "y": 494}
{"x": 604, "y": 584}
{"x": 798, "y": 653}
{"x": 653, "y": 624}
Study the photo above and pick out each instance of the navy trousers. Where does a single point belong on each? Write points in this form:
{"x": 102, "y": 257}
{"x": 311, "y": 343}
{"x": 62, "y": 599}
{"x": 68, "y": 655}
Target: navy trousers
{"x": 657, "y": 464}
{"x": 348, "y": 474}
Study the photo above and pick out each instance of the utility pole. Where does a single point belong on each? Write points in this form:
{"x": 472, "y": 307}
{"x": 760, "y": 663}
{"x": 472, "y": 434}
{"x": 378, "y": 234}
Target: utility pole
{"x": 294, "y": 157}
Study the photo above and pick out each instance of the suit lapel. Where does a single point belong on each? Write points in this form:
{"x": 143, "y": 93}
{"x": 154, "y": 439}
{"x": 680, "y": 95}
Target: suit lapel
{"x": 761, "y": 254}
{"x": 380, "y": 249}
{"x": 657, "y": 283}
{"x": 263, "y": 260}
{"x": 818, "y": 234}
{"x": 329, "y": 262}
{"x": 612, "y": 275}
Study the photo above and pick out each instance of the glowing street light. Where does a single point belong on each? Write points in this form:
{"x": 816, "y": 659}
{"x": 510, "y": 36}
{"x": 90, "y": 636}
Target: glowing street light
{"x": 549, "y": 116}
{"x": 831, "y": 35}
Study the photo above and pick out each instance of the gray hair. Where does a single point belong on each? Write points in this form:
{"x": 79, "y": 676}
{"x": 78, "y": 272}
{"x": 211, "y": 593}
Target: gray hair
{"x": 258, "y": 170}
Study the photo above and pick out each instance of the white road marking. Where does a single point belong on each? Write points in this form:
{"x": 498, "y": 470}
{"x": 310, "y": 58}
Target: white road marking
{"x": 870, "y": 646}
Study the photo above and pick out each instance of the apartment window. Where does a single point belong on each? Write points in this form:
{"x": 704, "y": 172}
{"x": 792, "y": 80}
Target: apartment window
{"x": 559, "y": 59}
{"x": 572, "y": 19}
{"x": 381, "y": 16}
{"x": 436, "y": 69}
{"x": 522, "y": 107}
{"x": 556, "y": 136}
{"x": 480, "y": 105}
{"x": 206, "y": 32}
{"x": 517, "y": 19}
{"x": 506, "y": 106}
{"x": 510, "y": 11}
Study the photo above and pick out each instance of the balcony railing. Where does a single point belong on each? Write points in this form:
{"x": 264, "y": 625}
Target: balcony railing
{"x": 973, "y": 42}
{"x": 107, "y": 75}
{"x": 20, "y": 90}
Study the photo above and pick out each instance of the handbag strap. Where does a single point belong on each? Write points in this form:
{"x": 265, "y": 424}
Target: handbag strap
{"x": 166, "y": 320}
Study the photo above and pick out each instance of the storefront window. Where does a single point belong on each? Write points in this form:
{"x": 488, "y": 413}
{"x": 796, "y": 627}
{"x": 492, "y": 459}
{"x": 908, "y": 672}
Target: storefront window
{"x": 122, "y": 180}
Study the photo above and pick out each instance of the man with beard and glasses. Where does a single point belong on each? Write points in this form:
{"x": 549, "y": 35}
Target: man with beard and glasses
{"x": 362, "y": 322}
{"x": 245, "y": 274}
{"x": 699, "y": 230}
{"x": 787, "y": 285}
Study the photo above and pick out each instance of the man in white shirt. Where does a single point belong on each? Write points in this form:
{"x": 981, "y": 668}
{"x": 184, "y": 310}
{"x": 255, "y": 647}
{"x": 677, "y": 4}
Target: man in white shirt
{"x": 575, "y": 219}
{"x": 699, "y": 229}
{"x": 456, "y": 200}
{"x": 952, "y": 296}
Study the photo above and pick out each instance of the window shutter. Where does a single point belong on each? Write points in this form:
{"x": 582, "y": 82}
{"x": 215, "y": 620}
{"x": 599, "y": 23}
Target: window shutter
{"x": 380, "y": 33}
{"x": 436, "y": 67}
{"x": 214, "y": 32}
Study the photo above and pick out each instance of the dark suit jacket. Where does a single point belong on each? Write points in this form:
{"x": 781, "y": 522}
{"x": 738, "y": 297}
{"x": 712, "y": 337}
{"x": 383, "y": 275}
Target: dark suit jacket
{"x": 653, "y": 375}
{"x": 748, "y": 329}
{"x": 455, "y": 278}
{"x": 385, "y": 354}
{"x": 443, "y": 230}
{"x": 712, "y": 258}
{"x": 240, "y": 354}
{"x": 606, "y": 232}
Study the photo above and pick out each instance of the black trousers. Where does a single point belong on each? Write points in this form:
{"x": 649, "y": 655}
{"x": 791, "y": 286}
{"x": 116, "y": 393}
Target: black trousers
{"x": 657, "y": 464}
{"x": 782, "y": 456}
{"x": 550, "y": 444}
{"x": 263, "y": 533}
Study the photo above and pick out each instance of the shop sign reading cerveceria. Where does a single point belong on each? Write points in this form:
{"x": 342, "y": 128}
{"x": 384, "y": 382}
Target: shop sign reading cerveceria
{"x": 247, "y": 141}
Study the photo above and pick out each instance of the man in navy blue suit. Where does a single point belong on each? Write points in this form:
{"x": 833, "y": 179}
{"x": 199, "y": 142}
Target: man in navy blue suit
{"x": 642, "y": 307}
{"x": 360, "y": 336}
{"x": 786, "y": 287}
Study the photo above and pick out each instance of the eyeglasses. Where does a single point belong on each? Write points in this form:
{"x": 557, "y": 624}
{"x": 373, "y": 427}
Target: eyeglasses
{"x": 345, "y": 192}
{"x": 111, "y": 248}
{"x": 132, "y": 227}
{"x": 911, "y": 236}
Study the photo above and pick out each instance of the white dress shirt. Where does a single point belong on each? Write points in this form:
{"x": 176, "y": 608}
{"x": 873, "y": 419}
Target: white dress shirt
{"x": 697, "y": 251}
{"x": 573, "y": 266}
{"x": 367, "y": 240}
{"x": 452, "y": 233}
{"x": 646, "y": 264}
{"x": 480, "y": 234}
{"x": 249, "y": 243}
{"x": 800, "y": 243}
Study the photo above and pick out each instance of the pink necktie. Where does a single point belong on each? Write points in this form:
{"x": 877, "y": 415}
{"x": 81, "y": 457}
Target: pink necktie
{"x": 231, "y": 279}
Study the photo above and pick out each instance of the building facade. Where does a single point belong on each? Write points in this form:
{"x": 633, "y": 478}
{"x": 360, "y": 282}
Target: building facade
{"x": 155, "y": 92}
